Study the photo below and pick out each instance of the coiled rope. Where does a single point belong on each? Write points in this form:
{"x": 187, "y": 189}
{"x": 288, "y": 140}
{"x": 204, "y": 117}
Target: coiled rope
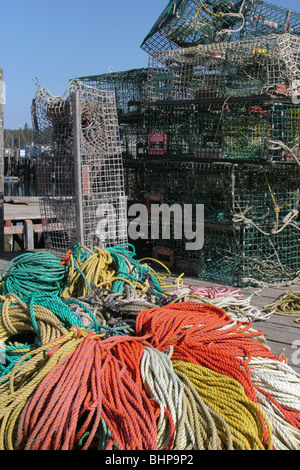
{"x": 287, "y": 304}
{"x": 229, "y": 299}
{"x": 32, "y": 272}
{"x": 126, "y": 367}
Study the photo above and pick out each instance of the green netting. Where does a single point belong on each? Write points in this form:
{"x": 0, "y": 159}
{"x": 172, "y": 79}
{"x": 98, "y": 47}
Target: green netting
{"x": 226, "y": 130}
{"x": 185, "y": 23}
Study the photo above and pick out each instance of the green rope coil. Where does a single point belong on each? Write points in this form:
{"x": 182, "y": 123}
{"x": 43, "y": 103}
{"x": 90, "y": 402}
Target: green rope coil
{"x": 34, "y": 272}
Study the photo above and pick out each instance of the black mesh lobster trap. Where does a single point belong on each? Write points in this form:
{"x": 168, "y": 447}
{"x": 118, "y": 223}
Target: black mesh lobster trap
{"x": 186, "y": 23}
{"x": 236, "y": 255}
{"x": 79, "y": 168}
{"x": 228, "y": 130}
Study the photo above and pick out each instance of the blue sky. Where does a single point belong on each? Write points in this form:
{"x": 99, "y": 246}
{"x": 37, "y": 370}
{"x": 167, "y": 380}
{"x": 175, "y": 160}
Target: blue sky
{"x": 61, "y": 39}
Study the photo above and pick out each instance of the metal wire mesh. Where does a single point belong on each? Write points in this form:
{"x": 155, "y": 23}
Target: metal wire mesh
{"x": 185, "y": 23}
{"x": 267, "y": 194}
{"x": 243, "y": 256}
{"x": 129, "y": 86}
{"x": 100, "y": 191}
{"x": 229, "y": 130}
{"x": 269, "y": 64}
{"x": 235, "y": 255}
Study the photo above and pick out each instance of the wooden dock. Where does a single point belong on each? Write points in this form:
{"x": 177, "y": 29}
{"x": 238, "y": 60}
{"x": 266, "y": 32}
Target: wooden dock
{"x": 281, "y": 332}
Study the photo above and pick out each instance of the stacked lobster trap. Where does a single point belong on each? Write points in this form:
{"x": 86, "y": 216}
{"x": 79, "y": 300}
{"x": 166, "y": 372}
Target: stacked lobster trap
{"x": 130, "y": 89}
{"x": 79, "y": 168}
{"x": 222, "y": 127}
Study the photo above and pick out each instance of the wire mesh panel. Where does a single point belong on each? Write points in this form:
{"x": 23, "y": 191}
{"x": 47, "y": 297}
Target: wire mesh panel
{"x": 99, "y": 196}
{"x": 53, "y": 135}
{"x": 268, "y": 64}
{"x": 185, "y": 23}
{"x": 229, "y": 130}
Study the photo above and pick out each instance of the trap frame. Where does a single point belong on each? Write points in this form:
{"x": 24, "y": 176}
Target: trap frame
{"x": 79, "y": 168}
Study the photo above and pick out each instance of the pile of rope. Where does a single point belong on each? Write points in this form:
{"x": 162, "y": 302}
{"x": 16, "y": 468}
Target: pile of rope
{"x": 230, "y": 299}
{"x": 103, "y": 359}
{"x": 287, "y": 304}
{"x": 80, "y": 273}
{"x": 182, "y": 376}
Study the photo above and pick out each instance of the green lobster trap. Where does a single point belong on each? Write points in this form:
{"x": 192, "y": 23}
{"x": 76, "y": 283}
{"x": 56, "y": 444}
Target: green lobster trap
{"x": 257, "y": 66}
{"x": 239, "y": 256}
{"x": 186, "y": 23}
{"x": 263, "y": 195}
{"x": 244, "y": 256}
{"x": 243, "y": 130}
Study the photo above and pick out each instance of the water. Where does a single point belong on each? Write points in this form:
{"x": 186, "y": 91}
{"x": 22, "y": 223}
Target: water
{"x": 20, "y": 188}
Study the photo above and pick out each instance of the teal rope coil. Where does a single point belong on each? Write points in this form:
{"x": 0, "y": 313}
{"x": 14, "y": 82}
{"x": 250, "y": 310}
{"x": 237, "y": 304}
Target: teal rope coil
{"x": 34, "y": 272}
{"x": 124, "y": 255}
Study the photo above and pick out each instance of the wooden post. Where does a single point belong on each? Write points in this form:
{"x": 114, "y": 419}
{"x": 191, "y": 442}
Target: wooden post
{"x": 2, "y": 96}
{"x": 29, "y": 235}
{"x": 77, "y": 165}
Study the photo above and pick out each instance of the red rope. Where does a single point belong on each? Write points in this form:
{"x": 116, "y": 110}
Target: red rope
{"x": 99, "y": 380}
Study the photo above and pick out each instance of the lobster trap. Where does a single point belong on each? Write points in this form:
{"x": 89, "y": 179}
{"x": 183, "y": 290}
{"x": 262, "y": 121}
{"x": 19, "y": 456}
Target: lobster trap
{"x": 263, "y": 65}
{"x": 264, "y": 195}
{"x": 130, "y": 89}
{"x": 186, "y": 23}
{"x": 79, "y": 168}
{"x": 129, "y": 86}
{"x": 243, "y": 256}
{"x": 230, "y": 130}
{"x": 239, "y": 256}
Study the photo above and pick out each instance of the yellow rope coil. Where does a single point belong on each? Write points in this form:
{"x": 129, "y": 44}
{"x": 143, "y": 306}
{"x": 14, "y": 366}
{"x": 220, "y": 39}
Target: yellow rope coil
{"x": 228, "y": 399}
{"x": 97, "y": 269}
{"x": 15, "y": 319}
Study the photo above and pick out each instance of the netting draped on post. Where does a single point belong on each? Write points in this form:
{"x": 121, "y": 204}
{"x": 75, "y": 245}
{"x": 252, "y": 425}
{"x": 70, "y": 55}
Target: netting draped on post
{"x": 185, "y": 23}
{"x": 79, "y": 168}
